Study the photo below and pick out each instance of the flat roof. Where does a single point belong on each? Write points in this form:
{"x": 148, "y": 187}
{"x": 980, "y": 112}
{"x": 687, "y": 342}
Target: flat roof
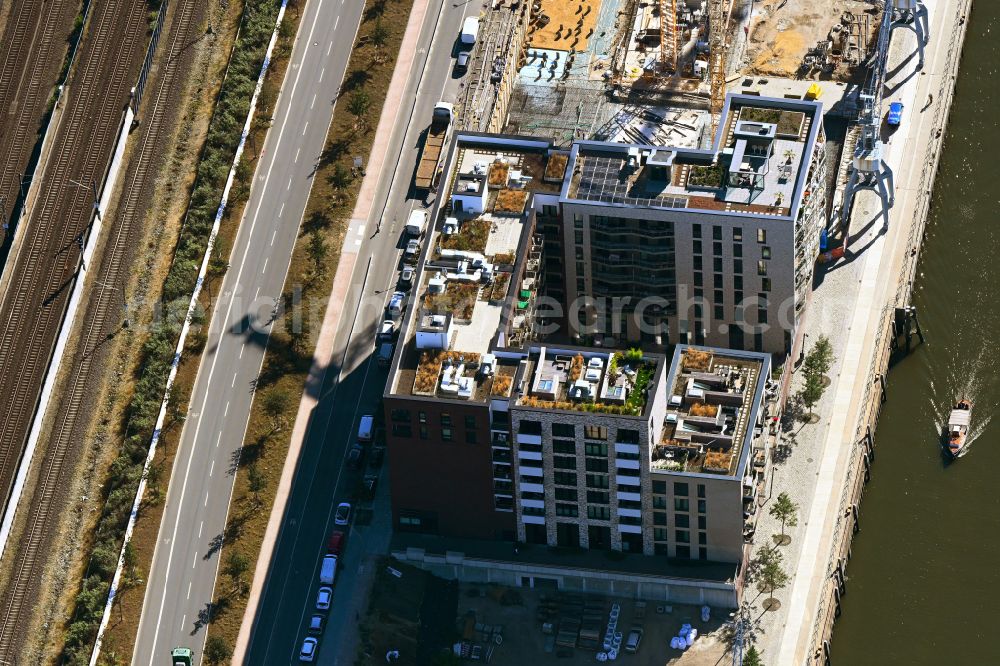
{"x": 758, "y": 164}
{"x": 714, "y": 396}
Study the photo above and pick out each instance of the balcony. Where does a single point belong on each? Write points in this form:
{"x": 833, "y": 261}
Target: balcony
{"x": 627, "y": 448}
{"x": 629, "y": 513}
{"x": 533, "y": 504}
{"x": 529, "y": 455}
{"x": 630, "y": 529}
{"x": 533, "y": 520}
{"x": 629, "y": 497}
{"x": 530, "y": 487}
{"x": 626, "y": 464}
{"x": 529, "y": 439}
{"x": 528, "y": 470}
{"x": 626, "y": 480}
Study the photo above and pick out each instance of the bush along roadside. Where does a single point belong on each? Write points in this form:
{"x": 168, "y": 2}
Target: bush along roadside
{"x": 306, "y": 292}
{"x": 256, "y": 27}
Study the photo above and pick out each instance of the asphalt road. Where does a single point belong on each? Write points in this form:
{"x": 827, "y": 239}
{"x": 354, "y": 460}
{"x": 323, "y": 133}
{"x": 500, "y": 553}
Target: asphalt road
{"x": 353, "y": 387}
{"x": 186, "y": 561}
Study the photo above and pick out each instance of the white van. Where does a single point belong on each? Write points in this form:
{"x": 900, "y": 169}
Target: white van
{"x": 328, "y": 571}
{"x": 470, "y": 30}
{"x": 417, "y": 223}
{"x": 366, "y": 429}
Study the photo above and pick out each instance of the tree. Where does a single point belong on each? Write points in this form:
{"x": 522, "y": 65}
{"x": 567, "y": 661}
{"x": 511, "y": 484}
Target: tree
{"x": 276, "y": 402}
{"x": 379, "y": 37}
{"x": 820, "y": 357}
{"x": 358, "y": 106}
{"x": 770, "y": 575}
{"x": 256, "y": 483}
{"x": 751, "y": 657}
{"x": 812, "y": 391}
{"x": 217, "y": 651}
{"x": 317, "y": 251}
{"x": 340, "y": 178}
{"x": 237, "y": 564}
{"x": 784, "y": 509}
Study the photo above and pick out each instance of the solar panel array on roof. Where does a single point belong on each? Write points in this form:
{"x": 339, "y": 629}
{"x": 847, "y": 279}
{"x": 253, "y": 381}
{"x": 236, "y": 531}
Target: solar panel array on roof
{"x": 601, "y": 179}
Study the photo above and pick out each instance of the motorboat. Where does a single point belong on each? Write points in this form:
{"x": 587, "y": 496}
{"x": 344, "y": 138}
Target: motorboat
{"x": 956, "y": 433}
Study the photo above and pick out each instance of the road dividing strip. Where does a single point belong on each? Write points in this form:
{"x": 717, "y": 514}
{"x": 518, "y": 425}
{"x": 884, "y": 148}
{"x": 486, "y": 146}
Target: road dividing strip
{"x": 69, "y": 318}
{"x": 183, "y": 337}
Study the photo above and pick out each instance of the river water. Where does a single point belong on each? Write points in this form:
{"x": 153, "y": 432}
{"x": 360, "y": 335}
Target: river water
{"x": 924, "y": 580}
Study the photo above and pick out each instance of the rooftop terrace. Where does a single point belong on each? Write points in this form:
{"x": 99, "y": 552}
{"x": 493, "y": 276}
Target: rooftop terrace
{"x": 713, "y": 398}
{"x": 758, "y": 164}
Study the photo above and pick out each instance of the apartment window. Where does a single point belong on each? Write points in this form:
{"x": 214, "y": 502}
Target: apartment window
{"x": 717, "y": 264}
{"x": 717, "y": 281}
{"x": 402, "y": 430}
{"x": 681, "y": 504}
{"x": 738, "y": 250}
{"x": 719, "y": 296}
{"x": 762, "y": 236}
{"x": 564, "y": 462}
{"x": 530, "y": 428}
{"x": 659, "y": 502}
{"x": 598, "y": 497}
{"x": 565, "y": 478}
{"x": 696, "y": 230}
{"x": 597, "y": 481}
{"x": 567, "y": 510}
{"x": 659, "y": 518}
{"x": 702, "y": 508}
{"x": 599, "y": 512}
{"x": 702, "y": 522}
{"x": 737, "y": 234}
{"x": 470, "y": 436}
{"x": 595, "y": 432}
{"x": 738, "y": 283}
{"x": 577, "y": 221}
{"x": 627, "y": 456}
{"x": 738, "y": 266}
{"x": 703, "y": 553}
{"x": 400, "y": 416}
{"x": 423, "y": 432}
{"x": 629, "y": 520}
{"x": 629, "y": 504}
{"x": 581, "y": 285}
{"x": 682, "y": 536}
{"x": 597, "y": 465}
{"x": 720, "y": 312}
{"x": 680, "y": 488}
{"x": 532, "y": 511}
{"x": 564, "y": 446}
{"x": 659, "y": 534}
{"x": 702, "y": 538}
{"x": 697, "y": 263}
{"x": 765, "y": 284}
{"x": 534, "y": 448}
{"x": 446, "y": 419}
{"x": 596, "y": 448}
{"x": 533, "y": 496}
{"x": 470, "y": 421}
{"x": 717, "y": 233}
{"x": 422, "y": 417}
{"x": 765, "y": 252}
{"x": 761, "y": 267}
{"x": 717, "y": 249}
{"x": 446, "y": 434}
{"x": 660, "y": 487}
{"x": 682, "y": 520}
{"x": 563, "y": 430}
{"x": 684, "y": 552}
{"x": 578, "y": 237}
{"x": 411, "y": 521}
{"x": 696, "y": 246}
{"x": 627, "y": 436}
{"x": 661, "y": 549}
{"x": 698, "y": 279}
{"x": 761, "y": 316}
{"x": 566, "y": 494}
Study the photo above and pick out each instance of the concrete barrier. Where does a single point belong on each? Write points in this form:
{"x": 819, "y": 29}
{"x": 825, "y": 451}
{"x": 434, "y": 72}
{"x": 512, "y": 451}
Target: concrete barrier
{"x": 178, "y": 351}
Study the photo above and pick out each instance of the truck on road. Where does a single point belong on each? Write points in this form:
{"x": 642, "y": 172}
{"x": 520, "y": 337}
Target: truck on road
{"x": 437, "y": 136}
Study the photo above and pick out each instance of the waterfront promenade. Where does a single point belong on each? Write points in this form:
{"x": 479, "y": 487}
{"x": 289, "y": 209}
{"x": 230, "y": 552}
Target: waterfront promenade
{"x": 849, "y": 305}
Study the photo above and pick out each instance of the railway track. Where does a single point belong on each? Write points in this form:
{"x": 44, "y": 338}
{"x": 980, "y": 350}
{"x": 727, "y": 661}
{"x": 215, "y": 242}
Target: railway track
{"x": 102, "y": 316}
{"x": 45, "y": 268}
{"x": 31, "y": 48}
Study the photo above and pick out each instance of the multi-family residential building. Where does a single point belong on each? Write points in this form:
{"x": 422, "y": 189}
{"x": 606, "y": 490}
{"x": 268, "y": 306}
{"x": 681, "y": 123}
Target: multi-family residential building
{"x": 502, "y": 431}
{"x": 707, "y": 246}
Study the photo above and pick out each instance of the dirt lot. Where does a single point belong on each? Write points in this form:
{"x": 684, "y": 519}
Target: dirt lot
{"x": 783, "y": 30}
{"x": 524, "y": 643}
{"x": 571, "y": 24}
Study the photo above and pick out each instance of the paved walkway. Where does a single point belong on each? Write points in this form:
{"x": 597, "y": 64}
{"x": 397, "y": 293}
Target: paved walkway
{"x": 342, "y": 281}
{"x": 854, "y": 292}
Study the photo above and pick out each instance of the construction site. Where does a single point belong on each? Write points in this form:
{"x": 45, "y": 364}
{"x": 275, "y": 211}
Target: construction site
{"x": 656, "y": 71}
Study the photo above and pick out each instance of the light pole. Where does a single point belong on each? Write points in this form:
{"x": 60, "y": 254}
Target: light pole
{"x": 802, "y": 351}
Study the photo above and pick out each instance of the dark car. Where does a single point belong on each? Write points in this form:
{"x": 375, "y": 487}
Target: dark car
{"x": 376, "y": 457}
{"x": 336, "y": 543}
{"x": 356, "y": 456}
{"x": 371, "y": 484}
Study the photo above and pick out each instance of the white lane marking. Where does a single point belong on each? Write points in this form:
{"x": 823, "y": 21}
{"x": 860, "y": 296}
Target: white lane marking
{"x": 194, "y": 561}
{"x": 211, "y": 470}
{"x": 200, "y": 526}
{"x": 264, "y": 270}
{"x": 219, "y": 438}
{"x": 304, "y": 128}
{"x": 206, "y": 499}
{"x": 183, "y": 621}
{"x": 289, "y": 186}
{"x": 225, "y": 413}
{"x": 330, "y": 47}
{"x": 256, "y": 294}
{"x": 335, "y": 24}
{"x": 189, "y": 589}
{"x": 313, "y": 102}
{"x": 321, "y": 73}
{"x": 297, "y": 151}
{"x": 233, "y": 385}
{"x": 282, "y": 209}
{"x": 211, "y": 372}
{"x": 242, "y": 347}
{"x": 273, "y": 235}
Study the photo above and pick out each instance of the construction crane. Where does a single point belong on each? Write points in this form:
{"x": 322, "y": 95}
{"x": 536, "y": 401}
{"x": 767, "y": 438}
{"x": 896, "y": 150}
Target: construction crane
{"x": 719, "y": 12}
{"x": 668, "y": 36}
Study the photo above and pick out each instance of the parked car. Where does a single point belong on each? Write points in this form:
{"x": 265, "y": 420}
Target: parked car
{"x": 308, "y": 651}
{"x": 335, "y": 544}
{"x": 376, "y": 457}
{"x": 412, "y": 250}
{"x": 371, "y": 484}
{"x": 384, "y": 356}
{"x": 343, "y": 515}
{"x": 316, "y": 623}
{"x": 387, "y": 330}
{"x": 356, "y": 456}
{"x": 323, "y": 598}
{"x": 397, "y": 303}
{"x": 895, "y": 114}
{"x": 462, "y": 62}
{"x": 633, "y": 640}
{"x": 366, "y": 428}
{"x": 406, "y": 277}
{"x": 328, "y": 569}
